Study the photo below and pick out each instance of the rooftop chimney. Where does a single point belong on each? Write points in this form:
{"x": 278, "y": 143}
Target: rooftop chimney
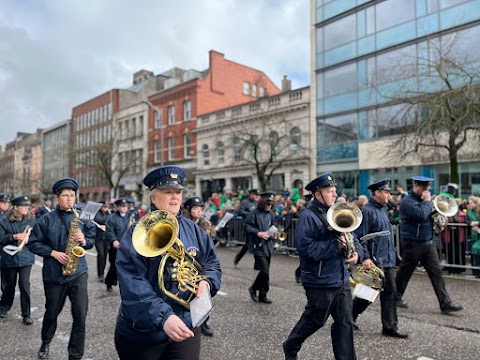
{"x": 286, "y": 84}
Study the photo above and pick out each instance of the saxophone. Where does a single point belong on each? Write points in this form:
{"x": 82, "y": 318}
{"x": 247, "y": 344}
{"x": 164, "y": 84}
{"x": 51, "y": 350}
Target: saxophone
{"x": 74, "y": 251}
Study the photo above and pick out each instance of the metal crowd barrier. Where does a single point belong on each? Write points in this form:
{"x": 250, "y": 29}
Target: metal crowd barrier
{"x": 454, "y": 255}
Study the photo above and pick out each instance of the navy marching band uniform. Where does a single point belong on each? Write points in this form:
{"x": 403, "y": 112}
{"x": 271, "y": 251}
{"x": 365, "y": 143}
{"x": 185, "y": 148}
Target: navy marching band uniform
{"x": 246, "y": 206}
{"x": 101, "y": 243}
{"x": 45, "y": 209}
{"x": 4, "y": 204}
{"x": 19, "y": 264}
{"x": 260, "y": 220}
{"x": 51, "y": 233}
{"x": 325, "y": 277}
{"x": 381, "y": 251}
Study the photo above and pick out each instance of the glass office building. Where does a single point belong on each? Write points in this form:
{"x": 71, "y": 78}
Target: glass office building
{"x": 363, "y": 50}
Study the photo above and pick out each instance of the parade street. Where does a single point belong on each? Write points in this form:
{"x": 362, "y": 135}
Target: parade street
{"x": 247, "y": 330}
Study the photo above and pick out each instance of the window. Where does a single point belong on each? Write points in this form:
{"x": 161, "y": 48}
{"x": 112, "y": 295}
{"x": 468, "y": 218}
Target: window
{"x": 237, "y": 147}
{"x": 341, "y": 80}
{"x": 274, "y": 141}
{"x": 158, "y": 115}
{"x": 262, "y": 91}
{"x": 254, "y": 90}
{"x": 246, "y": 88}
{"x": 295, "y": 141}
{"x": 140, "y": 126}
{"x": 206, "y": 155}
{"x": 340, "y": 32}
{"x": 187, "y": 146}
{"x": 220, "y": 153}
{"x": 392, "y": 13}
{"x": 171, "y": 148}
{"x": 171, "y": 115}
{"x": 187, "y": 110}
{"x": 157, "y": 151}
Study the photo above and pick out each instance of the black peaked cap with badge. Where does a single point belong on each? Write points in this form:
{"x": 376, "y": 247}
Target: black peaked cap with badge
{"x": 268, "y": 196}
{"x": 166, "y": 177}
{"x": 21, "y": 200}
{"x": 380, "y": 185}
{"x": 64, "y": 184}
{"x": 323, "y": 181}
{"x": 4, "y": 197}
{"x": 121, "y": 202}
{"x": 193, "y": 201}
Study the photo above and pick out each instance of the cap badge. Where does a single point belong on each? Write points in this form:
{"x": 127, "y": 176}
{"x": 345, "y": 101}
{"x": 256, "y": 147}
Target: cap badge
{"x": 174, "y": 176}
{"x": 329, "y": 178}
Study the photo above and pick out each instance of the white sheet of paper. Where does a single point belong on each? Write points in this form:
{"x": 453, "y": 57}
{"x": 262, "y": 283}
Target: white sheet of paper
{"x": 225, "y": 219}
{"x": 200, "y": 308}
{"x": 273, "y": 229}
{"x": 90, "y": 210}
{"x": 10, "y": 249}
{"x": 365, "y": 292}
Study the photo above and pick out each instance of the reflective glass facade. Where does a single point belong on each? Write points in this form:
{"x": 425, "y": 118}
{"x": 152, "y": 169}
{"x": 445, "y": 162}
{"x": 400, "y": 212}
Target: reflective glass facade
{"x": 367, "y": 51}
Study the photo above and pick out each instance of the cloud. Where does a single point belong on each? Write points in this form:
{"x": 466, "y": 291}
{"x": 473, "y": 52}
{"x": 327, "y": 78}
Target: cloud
{"x": 56, "y": 54}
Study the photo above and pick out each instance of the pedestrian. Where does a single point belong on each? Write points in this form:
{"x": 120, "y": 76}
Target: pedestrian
{"x": 261, "y": 245}
{"x": 194, "y": 211}
{"x": 379, "y": 252}
{"x": 416, "y": 234}
{"x": 52, "y": 235}
{"x": 150, "y": 324}
{"x": 473, "y": 220}
{"x": 246, "y": 206}
{"x": 116, "y": 226}
{"x": 101, "y": 243}
{"x": 15, "y": 229}
{"x": 325, "y": 274}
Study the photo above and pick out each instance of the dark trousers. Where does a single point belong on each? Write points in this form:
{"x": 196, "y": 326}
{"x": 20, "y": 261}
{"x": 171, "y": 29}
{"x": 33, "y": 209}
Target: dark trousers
{"x": 55, "y": 295}
{"x": 323, "y": 302}
{"x": 262, "y": 281}
{"x": 102, "y": 251}
{"x": 241, "y": 253}
{"x": 10, "y": 276}
{"x": 387, "y": 302}
{"x": 111, "y": 278}
{"x": 412, "y": 253}
{"x": 185, "y": 350}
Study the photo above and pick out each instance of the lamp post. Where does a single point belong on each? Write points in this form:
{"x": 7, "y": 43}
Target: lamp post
{"x": 156, "y": 109}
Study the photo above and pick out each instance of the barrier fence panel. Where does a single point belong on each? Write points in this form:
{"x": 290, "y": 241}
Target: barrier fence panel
{"x": 453, "y": 245}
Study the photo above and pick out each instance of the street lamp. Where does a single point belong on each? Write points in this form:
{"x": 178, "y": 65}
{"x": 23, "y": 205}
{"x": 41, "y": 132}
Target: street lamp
{"x": 156, "y": 109}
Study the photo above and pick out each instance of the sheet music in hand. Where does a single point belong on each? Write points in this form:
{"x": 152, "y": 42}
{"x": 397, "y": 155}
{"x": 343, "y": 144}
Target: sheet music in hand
{"x": 90, "y": 210}
{"x": 200, "y": 308}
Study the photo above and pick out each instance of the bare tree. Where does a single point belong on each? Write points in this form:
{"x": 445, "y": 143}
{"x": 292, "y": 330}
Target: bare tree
{"x": 444, "y": 115}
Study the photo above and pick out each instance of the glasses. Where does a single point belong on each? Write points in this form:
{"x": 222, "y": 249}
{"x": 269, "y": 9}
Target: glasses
{"x": 65, "y": 196}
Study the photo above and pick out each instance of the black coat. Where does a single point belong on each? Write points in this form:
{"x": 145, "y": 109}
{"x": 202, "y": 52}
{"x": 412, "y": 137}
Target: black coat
{"x": 8, "y": 228}
{"x": 257, "y": 221}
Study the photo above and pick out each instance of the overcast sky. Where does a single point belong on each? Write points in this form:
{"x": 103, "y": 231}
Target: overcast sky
{"x": 56, "y": 54}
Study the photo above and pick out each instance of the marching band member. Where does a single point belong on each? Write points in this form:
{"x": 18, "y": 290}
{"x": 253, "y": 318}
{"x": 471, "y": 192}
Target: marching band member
{"x": 50, "y": 238}
{"x": 14, "y": 230}
{"x": 150, "y": 324}
{"x": 46, "y": 207}
{"x": 101, "y": 244}
{"x": 4, "y": 205}
{"x": 380, "y": 252}
{"x": 246, "y": 206}
{"x": 325, "y": 275}
{"x": 116, "y": 226}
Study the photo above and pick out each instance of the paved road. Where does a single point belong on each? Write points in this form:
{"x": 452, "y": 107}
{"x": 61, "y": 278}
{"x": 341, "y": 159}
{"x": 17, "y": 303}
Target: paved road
{"x": 247, "y": 330}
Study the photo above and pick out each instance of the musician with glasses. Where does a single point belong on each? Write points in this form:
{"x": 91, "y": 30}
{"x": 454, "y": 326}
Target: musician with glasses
{"x": 416, "y": 234}
{"x": 151, "y": 324}
{"x": 324, "y": 274}
{"x": 14, "y": 230}
{"x": 49, "y": 239}
{"x": 379, "y": 252}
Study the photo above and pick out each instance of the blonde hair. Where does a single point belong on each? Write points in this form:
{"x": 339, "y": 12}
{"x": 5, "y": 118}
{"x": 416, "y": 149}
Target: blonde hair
{"x": 14, "y": 215}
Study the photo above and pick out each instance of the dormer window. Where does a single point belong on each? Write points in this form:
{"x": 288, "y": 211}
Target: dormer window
{"x": 246, "y": 88}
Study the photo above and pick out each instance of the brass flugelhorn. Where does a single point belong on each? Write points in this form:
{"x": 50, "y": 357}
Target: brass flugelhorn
{"x": 28, "y": 230}
{"x": 345, "y": 218}
{"x": 157, "y": 234}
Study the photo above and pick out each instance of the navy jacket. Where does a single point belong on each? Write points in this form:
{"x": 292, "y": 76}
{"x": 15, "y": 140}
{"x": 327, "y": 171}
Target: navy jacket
{"x": 381, "y": 249}
{"x": 8, "y": 228}
{"x": 51, "y": 233}
{"x": 101, "y": 219}
{"x": 321, "y": 260}
{"x": 259, "y": 220}
{"x": 116, "y": 226}
{"x": 144, "y": 307}
{"x": 247, "y": 206}
{"x": 415, "y": 219}
{"x": 42, "y": 210}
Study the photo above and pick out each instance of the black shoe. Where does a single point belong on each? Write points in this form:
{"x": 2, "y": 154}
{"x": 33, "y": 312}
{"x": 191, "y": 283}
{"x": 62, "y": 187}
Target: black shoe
{"x": 298, "y": 279}
{"x": 3, "y": 314}
{"x": 43, "y": 352}
{"x": 264, "y": 299}
{"x": 394, "y": 333}
{"x": 206, "y": 330}
{"x": 288, "y": 354}
{"x": 101, "y": 279}
{"x": 235, "y": 263}
{"x": 253, "y": 294}
{"x": 451, "y": 308}
{"x": 109, "y": 288}
{"x": 355, "y": 326}
{"x": 27, "y": 320}
{"x": 402, "y": 304}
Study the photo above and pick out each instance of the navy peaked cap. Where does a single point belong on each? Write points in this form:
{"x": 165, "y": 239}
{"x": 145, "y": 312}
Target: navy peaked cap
{"x": 323, "y": 181}
{"x": 121, "y": 202}
{"x": 422, "y": 180}
{"x": 130, "y": 201}
{"x": 268, "y": 195}
{"x": 3, "y": 197}
{"x": 166, "y": 177}
{"x": 64, "y": 184}
{"x": 194, "y": 201}
{"x": 253, "y": 191}
{"x": 48, "y": 197}
{"x": 380, "y": 185}
{"x": 21, "y": 200}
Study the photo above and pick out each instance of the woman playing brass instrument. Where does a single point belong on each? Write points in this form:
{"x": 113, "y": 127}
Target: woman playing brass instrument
{"x": 153, "y": 321}
{"x": 15, "y": 230}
